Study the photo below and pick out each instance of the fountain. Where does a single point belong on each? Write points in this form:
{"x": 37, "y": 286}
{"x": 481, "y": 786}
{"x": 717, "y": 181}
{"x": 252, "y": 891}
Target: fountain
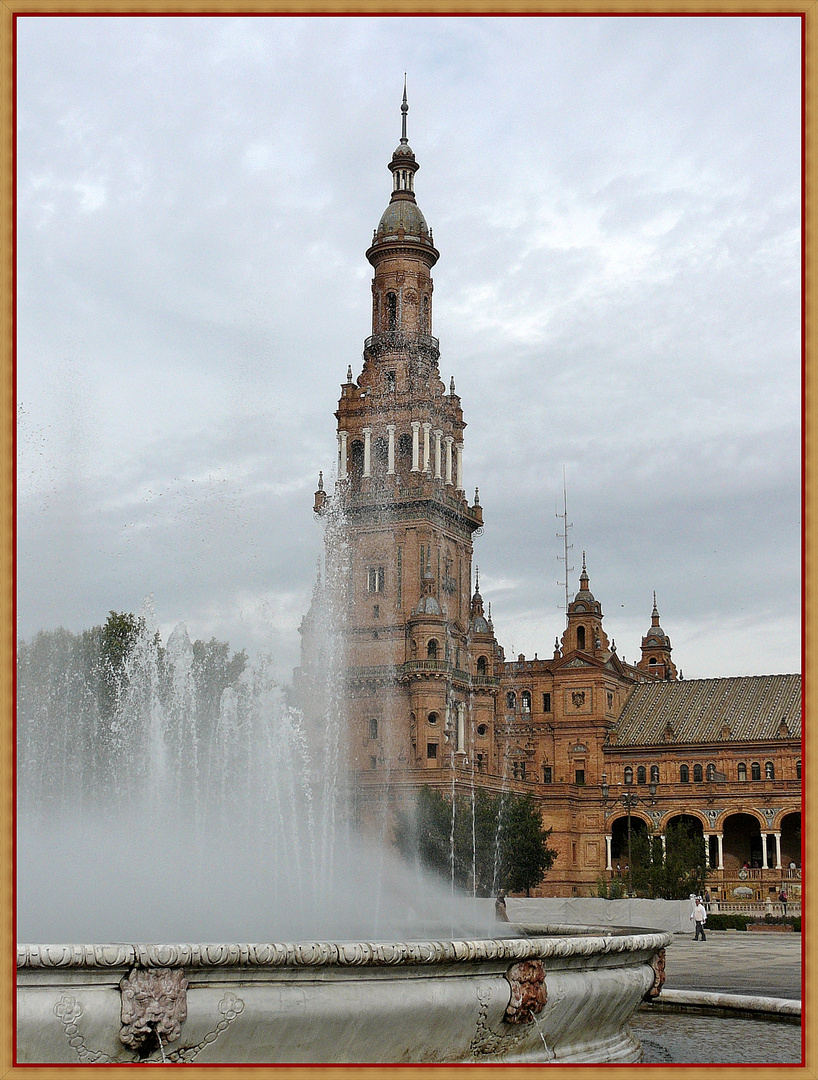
{"x": 316, "y": 947}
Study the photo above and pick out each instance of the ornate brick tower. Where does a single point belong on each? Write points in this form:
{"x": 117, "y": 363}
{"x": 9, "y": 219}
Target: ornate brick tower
{"x": 419, "y": 655}
{"x": 656, "y": 650}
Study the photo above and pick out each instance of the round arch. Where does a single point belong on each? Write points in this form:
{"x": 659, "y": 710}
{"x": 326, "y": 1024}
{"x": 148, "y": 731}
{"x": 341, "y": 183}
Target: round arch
{"x": 741, "y": 840}
{"x": 619, "y": 836}
{"x": 790, "y": 828}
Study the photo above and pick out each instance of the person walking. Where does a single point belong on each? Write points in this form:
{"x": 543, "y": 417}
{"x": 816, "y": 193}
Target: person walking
{"x": 699, "y": 917}
{"x": 782, "y": 897}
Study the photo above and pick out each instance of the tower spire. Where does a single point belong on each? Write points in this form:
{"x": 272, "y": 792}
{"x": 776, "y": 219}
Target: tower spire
{"x": 404, "y": 110}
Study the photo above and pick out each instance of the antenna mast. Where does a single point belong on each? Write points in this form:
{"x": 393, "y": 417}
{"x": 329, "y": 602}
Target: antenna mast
{"x": 564, "y": 537}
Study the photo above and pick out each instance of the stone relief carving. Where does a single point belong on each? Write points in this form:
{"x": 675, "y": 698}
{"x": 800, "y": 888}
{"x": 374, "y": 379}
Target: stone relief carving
{"x": 578, "y": 698}
{"x": 69, "y": 1011}
{"x": 657, "y": 962}
{"x": 528, "y": 992}
{"x": 154, "y": 1007}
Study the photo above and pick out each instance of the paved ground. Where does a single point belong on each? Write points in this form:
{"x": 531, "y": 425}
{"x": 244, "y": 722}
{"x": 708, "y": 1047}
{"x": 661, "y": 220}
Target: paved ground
{"x": 736, "y": 962}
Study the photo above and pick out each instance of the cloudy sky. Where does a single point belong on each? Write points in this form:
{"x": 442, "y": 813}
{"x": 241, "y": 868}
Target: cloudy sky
{"x": 616, "y": 203}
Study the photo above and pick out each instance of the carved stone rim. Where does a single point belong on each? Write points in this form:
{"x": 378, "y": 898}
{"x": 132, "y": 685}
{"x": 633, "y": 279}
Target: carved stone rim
{"x": 565, "y": 941}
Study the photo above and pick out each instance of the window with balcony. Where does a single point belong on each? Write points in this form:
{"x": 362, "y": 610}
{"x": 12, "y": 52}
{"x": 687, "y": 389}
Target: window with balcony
{"x": 482, "y": 665}
{"x": 431, "y": 649}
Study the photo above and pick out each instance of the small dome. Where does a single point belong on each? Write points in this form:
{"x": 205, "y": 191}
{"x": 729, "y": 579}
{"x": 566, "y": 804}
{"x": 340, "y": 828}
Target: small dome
{"x": 405, "y": 214}
{"x": 404, "y": 151}
{"x": 479, "y": 625}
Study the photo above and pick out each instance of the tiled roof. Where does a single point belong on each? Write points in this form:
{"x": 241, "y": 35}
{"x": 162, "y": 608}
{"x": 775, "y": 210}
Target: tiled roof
{"x": 701, "y": 710}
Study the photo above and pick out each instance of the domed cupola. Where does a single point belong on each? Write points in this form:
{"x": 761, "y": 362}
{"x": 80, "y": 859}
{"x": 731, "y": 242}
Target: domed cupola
{"x": 656, "y": 649}
{"x": 584, "y": 631}
{"x": 403, "y": 221}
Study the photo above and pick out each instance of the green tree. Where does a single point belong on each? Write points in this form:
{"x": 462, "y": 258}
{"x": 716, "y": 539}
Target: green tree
{"x": 487, "y": 842}
{"x": 672, "y": 874}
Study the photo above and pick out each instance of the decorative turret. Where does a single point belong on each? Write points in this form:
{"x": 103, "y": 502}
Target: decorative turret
{"x": 584, "y": 632}
{"x": 656, "y": 650}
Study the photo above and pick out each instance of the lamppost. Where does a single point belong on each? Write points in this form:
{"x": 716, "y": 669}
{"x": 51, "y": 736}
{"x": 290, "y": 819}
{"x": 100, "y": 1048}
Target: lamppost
{"x": 629, "y": 800}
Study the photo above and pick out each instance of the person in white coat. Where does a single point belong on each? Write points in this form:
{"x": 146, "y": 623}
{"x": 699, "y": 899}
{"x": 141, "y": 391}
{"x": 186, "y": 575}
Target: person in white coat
{"x": 699, "y": 917}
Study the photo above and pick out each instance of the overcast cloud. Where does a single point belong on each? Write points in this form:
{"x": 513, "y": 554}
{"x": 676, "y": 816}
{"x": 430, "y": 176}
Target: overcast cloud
{"x": 616, "y": 203}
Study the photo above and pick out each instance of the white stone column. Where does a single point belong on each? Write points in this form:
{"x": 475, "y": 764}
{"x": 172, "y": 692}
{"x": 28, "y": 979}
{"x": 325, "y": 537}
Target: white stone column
{"x": 342, "y": 455}
{"x": 777, "y": 836}
{"x": 427, "y": 428}
{"x": 764, "y": 851}
{"x": 438, "y": 454}
{"x": 608, "y": 849}
{"x": 367, "y": 450}
{"x": 390, "y": 463}
{"x": 415, "y": 446}
{"x": 720, "y": 842}
{"x": 707, "y": 850}
{"x": 449, "y": 440}
{"x": 459, "y": 449}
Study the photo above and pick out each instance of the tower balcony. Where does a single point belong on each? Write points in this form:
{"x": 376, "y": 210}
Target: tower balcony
{"x": 400, "y": 340}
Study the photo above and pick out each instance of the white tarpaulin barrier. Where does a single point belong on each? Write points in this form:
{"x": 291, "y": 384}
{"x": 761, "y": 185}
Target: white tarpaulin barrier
{"x": 670, "y": 915}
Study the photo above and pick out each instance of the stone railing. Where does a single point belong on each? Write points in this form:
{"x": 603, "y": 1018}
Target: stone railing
{"x": 396, "y": 339}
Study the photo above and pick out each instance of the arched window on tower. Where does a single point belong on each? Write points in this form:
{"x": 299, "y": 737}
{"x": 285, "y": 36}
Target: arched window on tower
{"x": 482, "y": 665}
{"x": 755, "y": 771}
{"x": 641, "y": 775}
{"x": 511, "y": 701}
{"x": 373, "y": 728}
{"x": 580, "y": 637}
{"x": 391, "y": 311}
{"x": 431, "y": 649}
{"x": 698, "y": 774}
{"x": 628, "y": 775}
{"x": 654, "y": 774}
{"x": 525, "y": 701}
{"x": 769, "y": 771}
{"x": 425, "y": 322}
{"x": 684, "y": 774}
{"x": 711, "y": 772}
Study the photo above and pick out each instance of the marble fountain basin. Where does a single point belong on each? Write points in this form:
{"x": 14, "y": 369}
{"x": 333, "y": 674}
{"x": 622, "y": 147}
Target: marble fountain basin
{"x": 547, "y": 993}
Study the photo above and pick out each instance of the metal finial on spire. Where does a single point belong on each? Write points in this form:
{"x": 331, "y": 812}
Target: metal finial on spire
{"x": 321, "y": 480}
{"x": 583, "y": 560}
{"x": 349, "y": 374}
{"x": 477, "y": 579}
{"x": 404, "y": 110}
